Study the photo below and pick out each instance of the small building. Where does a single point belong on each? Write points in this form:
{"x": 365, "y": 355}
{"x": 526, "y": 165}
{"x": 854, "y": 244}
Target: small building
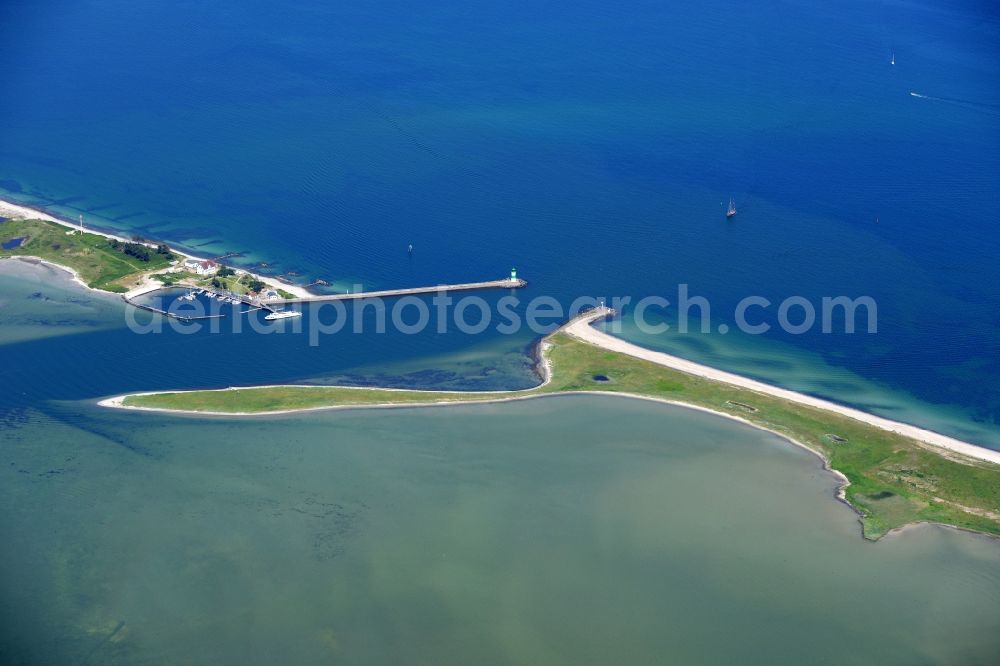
{"x": 270, "y": 295}
{"x": 199, "y": 267}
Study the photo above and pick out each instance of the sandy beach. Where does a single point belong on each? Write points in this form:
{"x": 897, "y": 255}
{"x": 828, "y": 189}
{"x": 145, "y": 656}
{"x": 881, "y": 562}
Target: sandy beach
{"x": 16, "y": 211}
{"x": 582, "y": 329}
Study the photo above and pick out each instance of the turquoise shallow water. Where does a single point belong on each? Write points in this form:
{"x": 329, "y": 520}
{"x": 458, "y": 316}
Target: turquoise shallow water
{"x": 563, "y": 530}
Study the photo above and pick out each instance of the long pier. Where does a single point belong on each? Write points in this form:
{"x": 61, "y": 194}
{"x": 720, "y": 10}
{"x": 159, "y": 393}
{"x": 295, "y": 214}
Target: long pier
{"x": 506, "y": 283}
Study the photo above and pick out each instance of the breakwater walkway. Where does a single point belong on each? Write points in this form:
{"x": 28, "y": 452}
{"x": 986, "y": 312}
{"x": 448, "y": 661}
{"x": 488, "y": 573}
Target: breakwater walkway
{"x": 506, "y": 283}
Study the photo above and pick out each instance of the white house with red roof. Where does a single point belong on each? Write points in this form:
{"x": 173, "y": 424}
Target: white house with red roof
{"x": 201, "y": 266}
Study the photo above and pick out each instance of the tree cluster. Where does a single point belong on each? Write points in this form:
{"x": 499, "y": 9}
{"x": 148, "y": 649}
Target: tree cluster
{"x": 138, "y": 250}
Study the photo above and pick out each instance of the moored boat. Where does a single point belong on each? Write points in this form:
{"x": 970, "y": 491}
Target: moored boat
{"x": 282, "y": 314}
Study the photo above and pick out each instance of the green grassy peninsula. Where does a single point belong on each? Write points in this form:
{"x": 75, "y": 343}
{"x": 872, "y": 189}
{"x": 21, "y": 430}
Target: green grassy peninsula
{"x": 894, "y": 480}
{"x": 101, "y": 262}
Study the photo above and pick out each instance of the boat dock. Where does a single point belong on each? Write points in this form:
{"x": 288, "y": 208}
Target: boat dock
{"x": 506, "y": 283}
{"x": 150, "y": 308}
{"x": 209, "y": 293}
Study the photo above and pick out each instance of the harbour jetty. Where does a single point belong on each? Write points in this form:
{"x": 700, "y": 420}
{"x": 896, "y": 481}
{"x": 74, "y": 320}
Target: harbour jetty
{"x": 512, "y": 282}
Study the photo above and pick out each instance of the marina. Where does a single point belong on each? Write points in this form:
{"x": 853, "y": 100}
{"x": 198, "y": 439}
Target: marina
{"x": 192, "y": 295}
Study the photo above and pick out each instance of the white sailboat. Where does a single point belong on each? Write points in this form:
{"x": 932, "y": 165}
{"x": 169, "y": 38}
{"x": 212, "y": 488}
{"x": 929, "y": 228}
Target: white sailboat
{"x": 732, "y": 208}
{"x": 892, "y": 61}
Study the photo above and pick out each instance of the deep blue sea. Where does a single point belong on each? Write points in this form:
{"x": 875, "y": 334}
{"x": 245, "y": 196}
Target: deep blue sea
{"x": 588, "y": 143}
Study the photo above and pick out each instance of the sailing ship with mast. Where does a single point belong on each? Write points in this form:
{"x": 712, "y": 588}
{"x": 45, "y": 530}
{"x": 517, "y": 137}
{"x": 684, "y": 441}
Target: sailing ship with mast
{"x": 731, "y": 211}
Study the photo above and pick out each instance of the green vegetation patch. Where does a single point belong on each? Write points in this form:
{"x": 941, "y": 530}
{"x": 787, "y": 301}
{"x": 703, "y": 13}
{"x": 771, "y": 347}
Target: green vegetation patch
{"x": 282, "y": 398}
{"x": 101, "y": 262}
